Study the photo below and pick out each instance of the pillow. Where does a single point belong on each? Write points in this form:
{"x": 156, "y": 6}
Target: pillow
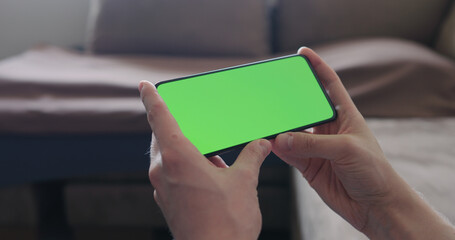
{"x": 393, "y": 77}
{"x": 446, "y": 40}
{"x": 306, "y": 22}
{"x": 181, "y": 27}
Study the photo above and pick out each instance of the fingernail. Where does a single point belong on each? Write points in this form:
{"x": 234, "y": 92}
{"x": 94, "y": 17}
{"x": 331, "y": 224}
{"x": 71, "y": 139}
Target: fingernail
{"x": 300, "y": 49}
{"x": 290, "y": 140}
{"x": 286, "y": 142}
{"x": 265, "y": 145}
{"x": 141, "y": 84}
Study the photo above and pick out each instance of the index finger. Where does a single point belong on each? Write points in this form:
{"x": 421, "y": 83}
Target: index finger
{"x": 163, "y": 124}
{"x": 329, "y": 79}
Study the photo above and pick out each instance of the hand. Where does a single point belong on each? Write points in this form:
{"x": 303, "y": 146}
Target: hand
{"x": 344, "y": 163}
{"x": 201, "y": 198}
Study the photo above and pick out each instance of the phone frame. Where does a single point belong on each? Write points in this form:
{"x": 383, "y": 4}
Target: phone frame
{"x": 225, "y": 150}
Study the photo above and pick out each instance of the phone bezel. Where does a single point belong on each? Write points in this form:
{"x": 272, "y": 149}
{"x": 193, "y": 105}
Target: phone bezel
{"x": 334, "y": 116}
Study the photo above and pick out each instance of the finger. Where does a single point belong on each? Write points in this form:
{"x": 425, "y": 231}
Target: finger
{"x": 294, "y": 146}
{"x": 253, "y": 155}
{"x": 161, "y": 121}
{"x": 328, "y": 78}
{"x": 218, "y": 161}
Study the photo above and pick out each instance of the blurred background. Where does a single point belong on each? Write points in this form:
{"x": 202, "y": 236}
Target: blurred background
{"x": 73, "y": 133}
{"x": 24, "y": 24}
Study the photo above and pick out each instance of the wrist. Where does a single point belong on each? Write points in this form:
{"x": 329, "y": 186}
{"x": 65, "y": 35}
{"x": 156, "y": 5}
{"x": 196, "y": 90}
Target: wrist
{"x": 210, "y": 233}
{"x": 407, "y": 217}
{"x": 217, "y": 235}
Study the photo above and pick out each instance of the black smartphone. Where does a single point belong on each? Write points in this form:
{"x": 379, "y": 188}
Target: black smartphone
{"x": 226, "y": 108}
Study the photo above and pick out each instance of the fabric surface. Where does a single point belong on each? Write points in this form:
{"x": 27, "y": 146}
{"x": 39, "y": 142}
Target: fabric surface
{"x": 305, "y": 23}
{"x": 420, "y": 150}
{"x": 393, "y": 78}
{"x": 446, "y": 40}
{"x": 52, "y": 90}
{"x": 180, "y": 27}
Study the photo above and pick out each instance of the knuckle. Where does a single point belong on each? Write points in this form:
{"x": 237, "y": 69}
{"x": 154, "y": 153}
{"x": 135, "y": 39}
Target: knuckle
{"x": 150, "y": 115}
{"x": 168, "y": 154}
{"x": 350, "y": 144}
{"x": 170, "y": 170}
{"x": 159, "y": 105}
{"x": 177, "y": 137}
{"x": 305, "y": 142}
{"x": 173, "y": 180}
{"x": 156, "y": 108}
{"x": 248, "y": 175}
{"x": 171, "y": 160}
{"x": 154, "y": 176}
{"x": 255, "y": 152}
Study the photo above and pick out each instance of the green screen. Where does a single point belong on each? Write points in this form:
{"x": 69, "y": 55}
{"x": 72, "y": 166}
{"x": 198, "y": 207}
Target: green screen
{"x": 229, "y": 107}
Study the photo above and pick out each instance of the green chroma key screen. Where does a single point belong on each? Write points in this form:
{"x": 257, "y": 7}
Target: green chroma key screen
{"x": 225, "y": 108}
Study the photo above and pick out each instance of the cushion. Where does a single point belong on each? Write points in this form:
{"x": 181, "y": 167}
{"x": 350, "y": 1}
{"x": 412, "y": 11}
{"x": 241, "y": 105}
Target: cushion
{"x": 196, "y": 27}
{"x": 53, "y": 90}
{"x": 427, "y": 166}
{"x": 393, "y": 78}
{"x": 309, "y": 22}
{"x": 446, "y": 40}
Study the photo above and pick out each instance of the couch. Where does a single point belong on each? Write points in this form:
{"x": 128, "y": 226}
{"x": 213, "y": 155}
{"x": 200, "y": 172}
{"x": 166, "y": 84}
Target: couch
{"x": 74, "y": 134}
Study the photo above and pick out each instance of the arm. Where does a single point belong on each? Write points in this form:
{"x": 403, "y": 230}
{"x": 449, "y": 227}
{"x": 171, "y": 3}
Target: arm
{"x": 409, "y": 218}
{"x": 201, "y": 198}
{"x": 344, "y": 163}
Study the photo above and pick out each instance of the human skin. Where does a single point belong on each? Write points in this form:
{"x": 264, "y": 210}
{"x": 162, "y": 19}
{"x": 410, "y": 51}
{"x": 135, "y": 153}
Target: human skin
{"x": 345, "y": 165}
{"x": 205, "y": 199}
{"x": 201, "y": 198}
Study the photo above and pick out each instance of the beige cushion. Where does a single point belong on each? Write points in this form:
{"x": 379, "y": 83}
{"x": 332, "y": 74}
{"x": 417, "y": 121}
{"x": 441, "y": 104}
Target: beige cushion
{"x": 181, "y": 27}
{"x": 446, "y": 40}
{"x": 304, "y": 22}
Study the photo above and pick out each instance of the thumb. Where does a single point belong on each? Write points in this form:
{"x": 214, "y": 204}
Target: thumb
{"x": 293, "y": 146}
{"x": 253, "y": 155}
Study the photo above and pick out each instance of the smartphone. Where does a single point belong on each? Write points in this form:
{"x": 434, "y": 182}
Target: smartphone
{"x": 228, "y": 108}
